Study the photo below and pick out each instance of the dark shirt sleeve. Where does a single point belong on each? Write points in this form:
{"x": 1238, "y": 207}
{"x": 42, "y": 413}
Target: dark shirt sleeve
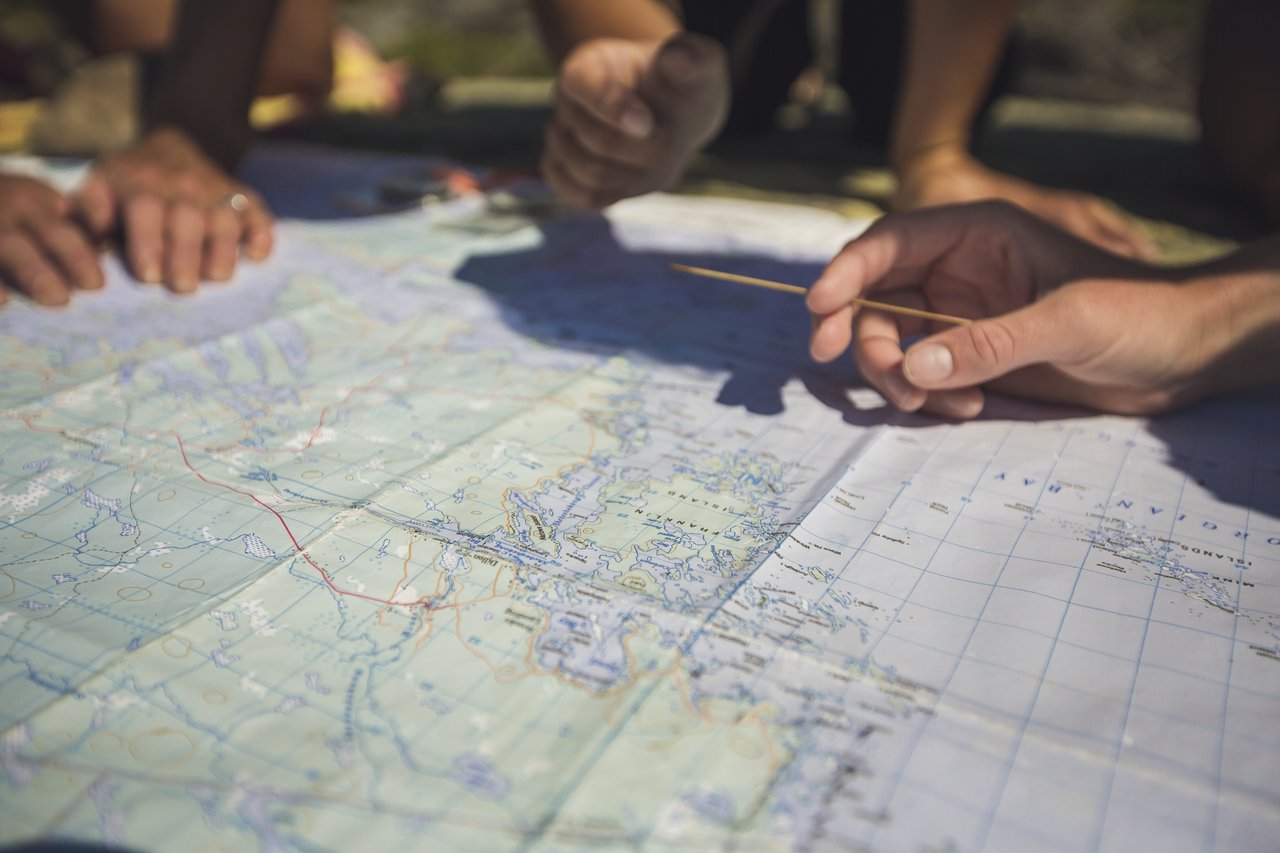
{"x": 206, "y": 81}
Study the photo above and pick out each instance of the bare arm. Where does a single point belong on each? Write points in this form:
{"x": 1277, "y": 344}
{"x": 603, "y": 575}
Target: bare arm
{"x": 208, "y": 76}
{"x": 953, "y": 47}
{"x": 565, "y": 24}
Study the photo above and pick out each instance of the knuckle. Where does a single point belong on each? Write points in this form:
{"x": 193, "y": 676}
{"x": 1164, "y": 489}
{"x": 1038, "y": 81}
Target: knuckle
{"x": 998, "y": 208}
{"x": 560, "y": 146}
{"x": 187, "y": 186}
{"x": 595, "y": 139}
{"x": 583, "y": 54}
{"x": 992, "y": 342}
{"x": 146, "y": 175}
{"x": 562, "y": 137}
{"x": 224, "y": 229}
{"x": 595, "y": 173}
{"x": 142, "y": 202}
{"x": 61, "y": 235}
{"x": 11, "y": 241}
{"x": 24, "y": 205}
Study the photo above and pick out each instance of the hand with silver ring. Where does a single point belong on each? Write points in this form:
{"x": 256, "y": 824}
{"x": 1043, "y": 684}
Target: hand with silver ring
{"x": 182, "y": 217}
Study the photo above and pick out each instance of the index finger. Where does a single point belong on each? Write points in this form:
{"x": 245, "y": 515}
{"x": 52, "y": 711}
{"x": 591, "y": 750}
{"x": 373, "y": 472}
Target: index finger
{"x": 882, "y": 361}
{"x": 879, "y": 356}
{"x": 94, "y": 203}
{"x": 892, "y": 252}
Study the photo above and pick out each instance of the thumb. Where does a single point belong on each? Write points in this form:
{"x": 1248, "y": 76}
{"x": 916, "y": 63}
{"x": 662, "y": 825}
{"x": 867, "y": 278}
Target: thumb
{"x": 681, "y": 61}
{"x": 988, "y": 349}
{"x": 688, "y": 73}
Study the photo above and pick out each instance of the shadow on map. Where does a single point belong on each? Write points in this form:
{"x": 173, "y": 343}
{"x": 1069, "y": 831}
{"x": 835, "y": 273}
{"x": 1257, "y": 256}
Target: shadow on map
{"x": 1228, "y": 447}
{"x": 626, "y": 300}
{"x": 584, "y": 290}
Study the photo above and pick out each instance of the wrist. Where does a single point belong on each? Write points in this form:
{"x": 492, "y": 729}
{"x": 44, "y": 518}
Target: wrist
{"x": 173, "y": 145}
{"x": 914, "y": 158}
{"x": 1238, "y": 345}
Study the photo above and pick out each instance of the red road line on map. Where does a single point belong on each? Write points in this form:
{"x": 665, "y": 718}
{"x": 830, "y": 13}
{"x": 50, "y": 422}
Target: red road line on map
{"x": 182, "y": 448}
{"x": 27, "y": 420}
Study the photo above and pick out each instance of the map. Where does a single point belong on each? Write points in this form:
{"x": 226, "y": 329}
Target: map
{"x": 457, "y": 528}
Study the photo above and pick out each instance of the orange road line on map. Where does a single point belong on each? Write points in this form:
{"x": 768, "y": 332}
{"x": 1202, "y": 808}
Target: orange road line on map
{"x": 404, "y": 576}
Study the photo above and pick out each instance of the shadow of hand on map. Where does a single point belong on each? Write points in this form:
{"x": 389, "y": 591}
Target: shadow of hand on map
{"x": 1227, "y": 448}
{"x": 583, "y": 290}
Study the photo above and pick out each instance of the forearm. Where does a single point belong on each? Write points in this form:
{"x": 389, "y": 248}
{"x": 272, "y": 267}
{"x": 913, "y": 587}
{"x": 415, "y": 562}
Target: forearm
{"x": 565, "y": 24}
{"x": 953, "y": 49}
{"x": 207, "y": 79}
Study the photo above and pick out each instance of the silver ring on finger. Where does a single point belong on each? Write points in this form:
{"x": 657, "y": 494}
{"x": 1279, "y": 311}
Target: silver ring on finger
{"x": 239, "y": 202}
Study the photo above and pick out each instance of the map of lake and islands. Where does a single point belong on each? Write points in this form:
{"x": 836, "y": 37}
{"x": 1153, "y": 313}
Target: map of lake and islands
{"x": 451, "y": 529}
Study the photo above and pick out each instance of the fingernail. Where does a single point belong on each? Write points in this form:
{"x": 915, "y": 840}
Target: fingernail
{"x": 897, "y": 388}
{"x": 149, "y": 272}
{"x": 636, "y": 122}
{"x": 930, "y": 363}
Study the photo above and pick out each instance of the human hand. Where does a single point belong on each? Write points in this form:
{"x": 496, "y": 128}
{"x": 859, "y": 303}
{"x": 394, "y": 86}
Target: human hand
{"x": 43, "y": 253}
{"x": 629, "y": 115}
{"x": 182, "y": 217}
{"x": 1055, "y": 318}
{"x": 948, "y": 175}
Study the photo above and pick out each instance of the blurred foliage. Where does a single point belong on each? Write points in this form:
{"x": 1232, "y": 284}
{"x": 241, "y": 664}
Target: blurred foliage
{"x": 452, "y": 38}
{"x": 439, "y": 51}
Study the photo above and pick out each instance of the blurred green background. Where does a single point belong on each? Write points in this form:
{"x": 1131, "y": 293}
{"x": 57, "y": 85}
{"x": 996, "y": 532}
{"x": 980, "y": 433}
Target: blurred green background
{"x": 1102, "y": 101}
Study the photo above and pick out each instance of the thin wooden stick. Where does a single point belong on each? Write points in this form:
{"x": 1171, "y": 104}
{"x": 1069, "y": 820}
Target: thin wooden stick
{"x": 791, "y": 288}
